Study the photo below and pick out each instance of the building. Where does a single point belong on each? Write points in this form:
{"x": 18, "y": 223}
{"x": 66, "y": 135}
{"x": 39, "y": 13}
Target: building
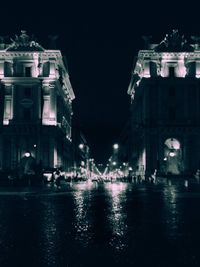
{"x": 165, "y": 107}
{"x": 81, "y": 153}
{"x": 36, "y": 106}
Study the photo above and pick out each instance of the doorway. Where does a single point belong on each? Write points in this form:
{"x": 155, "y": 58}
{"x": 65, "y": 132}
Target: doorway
{"x": 172, "y": 157}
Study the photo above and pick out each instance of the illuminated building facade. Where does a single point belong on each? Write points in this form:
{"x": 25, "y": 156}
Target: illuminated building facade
{"x": 165, "y": 107}
{"x": 36, "y": 105}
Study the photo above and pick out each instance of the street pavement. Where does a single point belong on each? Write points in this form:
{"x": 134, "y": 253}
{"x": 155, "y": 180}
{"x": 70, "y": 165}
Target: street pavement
{"x": 87, "y": 224}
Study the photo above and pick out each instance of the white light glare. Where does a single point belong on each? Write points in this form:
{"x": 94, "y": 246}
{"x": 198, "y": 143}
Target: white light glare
{"x": 115, "y": 146}
{"x": 81, "y": 146}
{"x": 27, "y": 154}
{"x": 171, "y": 154}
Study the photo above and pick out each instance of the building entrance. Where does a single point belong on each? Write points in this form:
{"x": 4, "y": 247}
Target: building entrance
{"x": 172, "y": 157}
{"x": 27, "y": 164}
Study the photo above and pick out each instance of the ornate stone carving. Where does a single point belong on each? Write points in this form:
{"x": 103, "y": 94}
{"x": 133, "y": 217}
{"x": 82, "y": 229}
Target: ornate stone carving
{"x": 174, "y": 42}
{"x": 23, "y": 42}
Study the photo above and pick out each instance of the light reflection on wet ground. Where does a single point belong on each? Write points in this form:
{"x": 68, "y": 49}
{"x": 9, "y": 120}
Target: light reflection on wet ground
{"x": 116, "y": 216}
{"x": 110, "y": 224}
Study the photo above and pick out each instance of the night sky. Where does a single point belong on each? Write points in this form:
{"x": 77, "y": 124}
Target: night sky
{"x": 100, "y": 42}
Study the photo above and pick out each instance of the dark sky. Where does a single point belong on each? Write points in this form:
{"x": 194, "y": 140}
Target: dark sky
{"x": 100, "y": 41}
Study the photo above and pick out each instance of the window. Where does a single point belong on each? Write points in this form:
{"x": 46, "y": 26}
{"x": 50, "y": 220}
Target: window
{"x": 26, "y": 114}
{"x": 46, "y": 68}
{"x": 27, "y": 92}
{"x": 28, "y": 72}
{"x": 7, "y": 69}
{"x": 153, "y": 69}
{"x": 171, "y": 71}
{"x": 191, "y": 69}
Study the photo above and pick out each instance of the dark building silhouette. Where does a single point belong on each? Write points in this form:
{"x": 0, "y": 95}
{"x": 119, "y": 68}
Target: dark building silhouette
{"x": 36, "y": 105}
{"x": 165, "y": 107}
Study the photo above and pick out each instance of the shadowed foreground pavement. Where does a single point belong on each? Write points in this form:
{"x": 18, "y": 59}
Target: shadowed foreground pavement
{"x": 110, "y": 224}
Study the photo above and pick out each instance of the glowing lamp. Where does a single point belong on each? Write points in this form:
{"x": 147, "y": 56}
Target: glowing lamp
{"x": 115, "y": 146}
{"x": 81, "y": 146}
{"x": 27, "y": 154}
{"x": 172, "y": 154}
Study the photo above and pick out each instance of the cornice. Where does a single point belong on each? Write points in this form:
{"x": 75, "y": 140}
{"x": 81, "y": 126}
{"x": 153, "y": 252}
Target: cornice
{"x": 44, "y": 54}
{"x": 148, "y": 54}
{"x": 15, "y": 80}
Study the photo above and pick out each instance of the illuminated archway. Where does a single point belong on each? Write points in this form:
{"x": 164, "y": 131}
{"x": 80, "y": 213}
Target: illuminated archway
{"x": 172, "y": 156}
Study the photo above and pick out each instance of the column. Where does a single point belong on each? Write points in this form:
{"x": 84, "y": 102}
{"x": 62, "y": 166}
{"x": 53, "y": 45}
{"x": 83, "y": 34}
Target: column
{"x": 53, "y": 107}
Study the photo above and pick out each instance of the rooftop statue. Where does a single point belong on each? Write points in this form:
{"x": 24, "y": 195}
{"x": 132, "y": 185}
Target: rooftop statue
{"x": 174, "y": 42}
{"x": 23, "y": 42}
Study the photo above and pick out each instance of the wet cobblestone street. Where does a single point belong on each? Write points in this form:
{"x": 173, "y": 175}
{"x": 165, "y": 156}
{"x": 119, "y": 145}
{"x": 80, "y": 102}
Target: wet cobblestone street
{"x": 101, "y": 224}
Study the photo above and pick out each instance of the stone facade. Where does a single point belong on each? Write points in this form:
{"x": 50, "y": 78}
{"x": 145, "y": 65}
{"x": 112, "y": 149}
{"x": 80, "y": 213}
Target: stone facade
{"x": 36, "y": 105}
{"x": 165, "y": 107}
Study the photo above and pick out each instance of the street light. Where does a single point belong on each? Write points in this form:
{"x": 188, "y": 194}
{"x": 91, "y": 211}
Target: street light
{"x": 27, "y": 154}
{"x": 85, "y": 155}
{"x": 81, "y": 146}
{"x": 116, "y": 146}
{"x": 172, "y": 154}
